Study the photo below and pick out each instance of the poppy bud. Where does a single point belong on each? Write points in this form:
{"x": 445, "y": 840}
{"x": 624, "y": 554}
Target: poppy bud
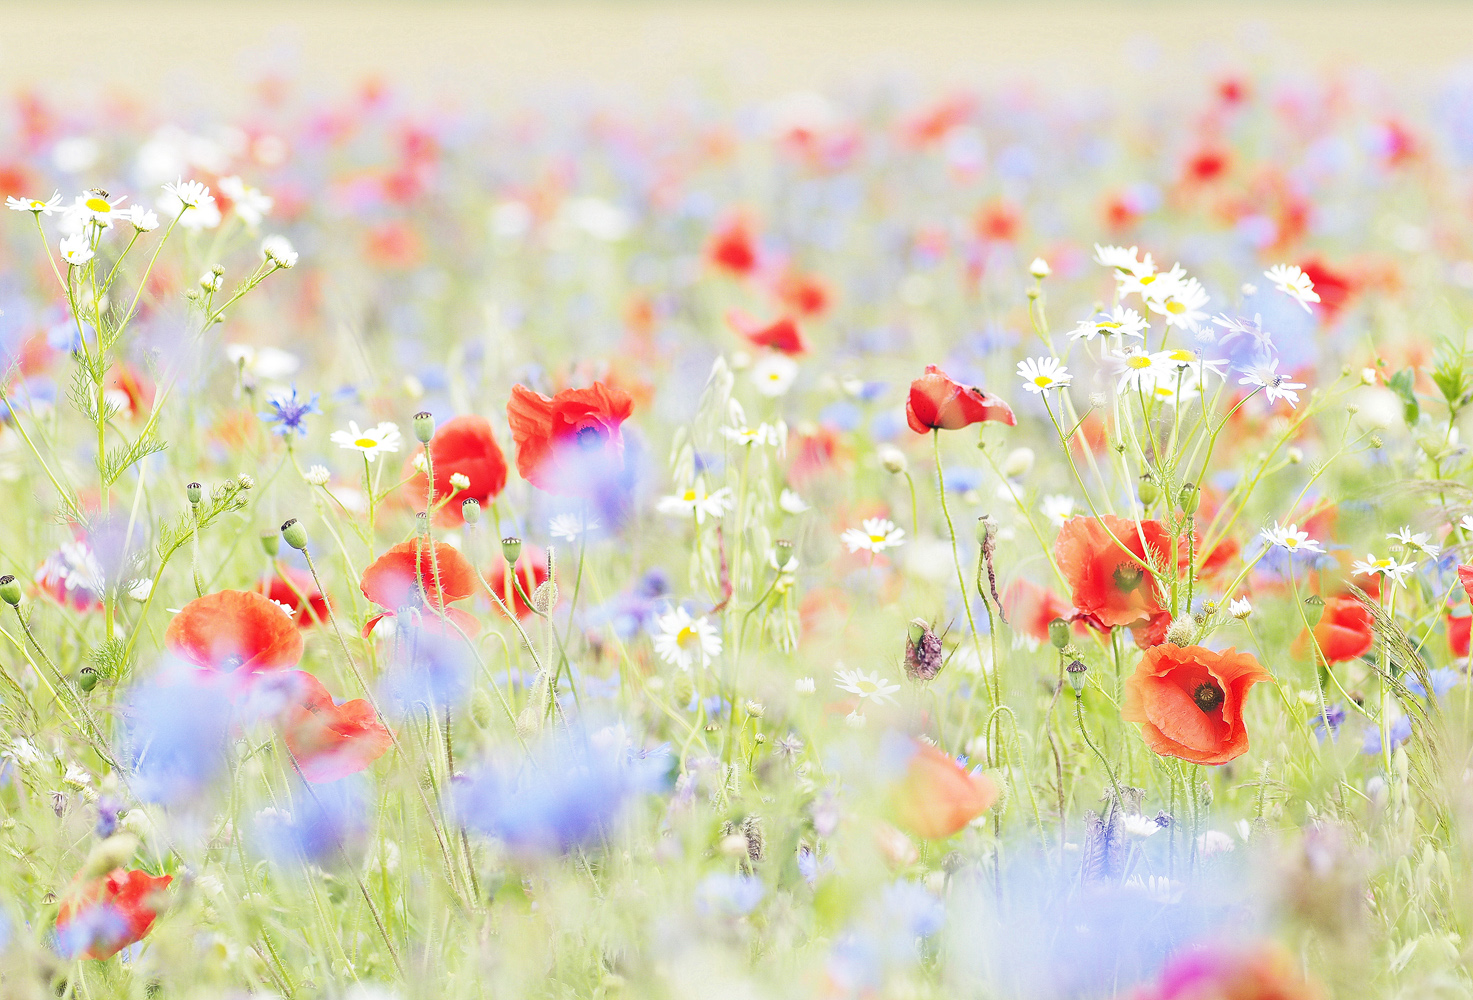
{"x": 1188, "y": 498}
{"x": 422, "y": 524}
{"x": 1149, "y": 491}
{"x": 424, "y": 426}
{"x": 470, "y": 511}
{"x": 756, "y": 709}
{"x": 511, "y": 549}
{"x": 893, "y": 459}
{"x": 1181, "y": 632}
{"x": 295, "y": 534}
{"x": 1058, "y": 633}
{"x": 783, "y": 553}
{"x": 986, "y": 525}
{"x": 544, "y": 597}
{"x": 1075, "y": 672}
{"x": 193, "y": 492}
{"x": 87, "y": 679}
{"x": 10, "y": 591}
{"x": 270, "y": 543}
{"x": 1314, "y": 609}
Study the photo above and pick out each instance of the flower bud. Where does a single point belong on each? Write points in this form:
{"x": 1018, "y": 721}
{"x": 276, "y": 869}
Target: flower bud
{"x": 1295, "y": 456}
{"x": 459, "y": 481}
{"x": 424, "y": 426}
{"x": 892, "y": 458}
{"x": 270, "y": 543}
{"x": 422, "y": 524}
{"x": 10, "y": 591}
{"x": 1018, "y": 463}
{"x": 193, "y": 492}
{"x": 470, "y": 511}
{"x": 1181, "y": 632}
{"x": 1058, "y": 633}
{"x": 511, "y": 549}
{"x": 924, "y": 654}
{"x": 1149, "y": 491}
{"x": 295, "y": 534}
{"x": 1075, "y": 673}
{"x": 1314, "y": 609}
{"x": 782, "y": 553}
{"x": 756, "y": 709}
{"x": 87, "y": 678}
{"x": 1039, "y": 268}
{"x": 986, "y": 528}
{"x": 1188, "y": 498}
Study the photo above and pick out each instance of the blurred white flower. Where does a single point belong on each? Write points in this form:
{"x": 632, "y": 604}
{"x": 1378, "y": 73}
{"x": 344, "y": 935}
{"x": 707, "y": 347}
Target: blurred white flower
{"x": 371, "y": 441}
{"x": 1293, "y": 282}
{"x": 682, "y": 639}
{"x": 696, "y": 502}
{"x": 76, "y": 250}
{"x": 773, "y": 374}
{"x": 876, "y": 535}
{"x": 251, "y": 204}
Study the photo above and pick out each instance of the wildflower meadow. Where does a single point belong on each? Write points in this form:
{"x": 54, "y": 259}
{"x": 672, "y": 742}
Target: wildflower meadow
{"x": 884, "y": 543}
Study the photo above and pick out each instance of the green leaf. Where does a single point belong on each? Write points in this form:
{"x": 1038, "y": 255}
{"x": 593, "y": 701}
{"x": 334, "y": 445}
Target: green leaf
{"x": 1402, "y": 384}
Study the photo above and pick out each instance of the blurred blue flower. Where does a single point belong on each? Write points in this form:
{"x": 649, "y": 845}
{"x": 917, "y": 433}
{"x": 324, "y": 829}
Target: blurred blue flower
{"x": 1444, "y": 679}
{"x": 1401, "y": 731}
{"x": 288, "y": 412}
{"x": 725, "y": 895}
{"x": 177, "y": 735}
{"x": 1330, "y": 722}
{"x": 324, "y": 820}
{"x": 432, "y": 669}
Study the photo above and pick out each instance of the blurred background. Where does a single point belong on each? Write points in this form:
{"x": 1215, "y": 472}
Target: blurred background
{"x": 479, "y": 53}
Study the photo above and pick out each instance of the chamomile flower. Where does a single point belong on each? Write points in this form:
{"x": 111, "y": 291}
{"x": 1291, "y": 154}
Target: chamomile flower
{"x": 143, "y": 220}
{"x": 1266, "y": 376}
{"x": 773, "y": 375}
{"x": 1042, "y": 374}
{"x": 76, "y": 249}
{"x": 189, "y": 194}
{"x": 1057, "y": 508}
{"x": 1140, "y": 827}
{"x": 1186, "y": 360}
{"x": 1466, "y": 522}
{"x": 317, "y": 475}
{"x": 1290, "y": 539}
{"x": 682, "y": 639}
{"x": 1421, "y": 541}
{"x": 95, "y": 207}
{"x": 1386, "y": 568}
{"x": 792, "y": 503}
{"x": 1136, "y": 369}
{"x": 1239, "y": 608}
{"x": 869, "y": 687}
{"x": 763, "y": 434}
{"x": 1123, "y": 260}
{"x": 35, "y": 205}
{"x": 1293, "y": 282}
{"x": 372, "y": 441}
{"x": 1183, "y": 305}
{"x": 278, "y": 250}
{"x": 876, "y": 535}
{"x": 251, "y": 204}
{"x": 1151, "y": 285}
{"x": 1120, "y": 320}
{"x": 696, "y": 502}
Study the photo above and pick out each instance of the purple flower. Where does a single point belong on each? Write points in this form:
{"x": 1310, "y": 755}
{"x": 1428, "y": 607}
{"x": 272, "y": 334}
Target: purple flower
{"x": 288, "y": 412}
{"x": 1401, "y": 731}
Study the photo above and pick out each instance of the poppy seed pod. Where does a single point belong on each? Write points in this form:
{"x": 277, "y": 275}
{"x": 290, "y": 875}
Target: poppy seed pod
{"x": 986, "y": 526}
{"x": 422, "y": 524}
{"x": 783, "y": 550}
{"x": 1149, "y": 491}
{"x": 470, "y": 511}
{"x": 1188, "y": 498}
{"x": 270, "y": 543}
{"x": 295, "y": 534}
{"x": 511, "y": 549}
{"x": 1314, "y": 609}
{"x": 87, "y": 678}
{"x": 193, "y": 492}
{"x": 10, "y": 591}
{"x": 1075, "y": 672}
{"x": 1058, "y": 633}
{"x": 924, "y": 654}
{"x": 424, "y": 426}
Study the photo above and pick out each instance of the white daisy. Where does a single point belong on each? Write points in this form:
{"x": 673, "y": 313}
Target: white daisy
{"x": 1057, "y": 508}
{"x": 1266, "y": 376}
{"x": 763, "y": 434}
{"x": 1123, "y": 260}
{"x": 869, "y": 687}
{"x": 1041, "y": 374}
{"x": 1466, "y": 522}
{"x": 1239, "y": 608}
{"x": 1120, "y": 320}
{"x": 278, "y": 250}
{"x": 1150, "y": 284}
{"x": 792, "y": 503}
{"x": 143, "y": 220}
{"x": 1291, "y": 539}
{"x": 76, "y": 250}
{"x": 1139, "y": 826}
{"x": 372, "y": 441}
{"x": 94, "y": 206}
{"x": 35, "y": 204}
{"x": 877, "y": 535}
{"x": 251, "y": 204}
{"x": 1387, "y": 569}
{"x": 189, "y": 194}
{"x": 1187, "y": 360}
{"x": 1421, "y": 540}
{"x": 317, "y": 475}
{"x": 1183, "y": 304}
{"x": 1293, "y": 282}
{"x": 774, "y": 373}
{"x": 1137, "y": 370}
{"x": 682, "y": 638}
{"x": 696, "y": 501}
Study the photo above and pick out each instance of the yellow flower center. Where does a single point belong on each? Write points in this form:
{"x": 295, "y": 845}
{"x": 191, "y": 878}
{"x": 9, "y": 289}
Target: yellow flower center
{"x": 1042, "y": 381}
{"x": 876, "y": 539}
{"x": 1175, "y": 307}
{"x": 690, "y": 495}
{"x": 1181, "y": 355}
{"x": 98, "y": 205}
{"x": 1138, "y": 362}
{"x": 685, "y": 637}
{"x": 1291, "y": 542}
{"x": 1148, "y": 279}
{"x": 366, "y": 443}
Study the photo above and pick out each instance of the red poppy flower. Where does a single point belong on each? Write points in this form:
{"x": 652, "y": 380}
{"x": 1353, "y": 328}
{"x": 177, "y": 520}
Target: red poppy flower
{"x": 1189, "y": 701}
{"x": 1459, "y": 631}
{"x": 938, "y": 403}
{"x": 1109, "y": 588}
{"x": 1222, "y": 553}
{"x": 237, "y": 631}
{"x": 1030, "y": 608}
{"x": 1344, "y": 631}
{"x": 1207, "y": 165}
{"x": 463, "y": 445}
{"x": 556, "y": 437}
{"x": 998, "y": 221}
{"x": 412, "y": 576}
{"x": 327, "y": 740}
{"x": 804, "y": 295}
{"x": 732, "y": 248}
{"x": 531, "y": 573}
{"x": 937, "y": 797}
{"x": 782, "y": 335}
{"x": 128, "y": 902}
{"x": 1334, "y": 287}
{"x": 296, "y": 589}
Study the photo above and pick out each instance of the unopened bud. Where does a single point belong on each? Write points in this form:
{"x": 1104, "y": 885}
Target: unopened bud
{"x": 756, "y": 709}
{"x": 1058, "y": 633}
{"x": 1075, "y": 673}
{"x": 924, "y": 654}
{"x": 1149, "y": 491}
{"x": 459, "y": 481}
{"x": 511, "y": 549}
{"x": 295, "y": 534}
{"x": 1188, "y": 498}
{"x": 1314, "y": 609}
{"x": 193, "y": 492}
{"x": 10, "y": 591}
{"x": 986, "y": 528}
{"x": 1295, "y": 456}
{"x": 893, "y": 459}
{"x": 544, "y": 598}
{"x": 87, "y": 678}
{"x": 1039, "y": 268}
{"x": 1181, "y": 632}
{"x": 270, "y": 543}
{"x": 424, "y": 426}
{"x": 470, "y": 511}
{"x": 782, "y": 553}
{"x": 422, "y": 524}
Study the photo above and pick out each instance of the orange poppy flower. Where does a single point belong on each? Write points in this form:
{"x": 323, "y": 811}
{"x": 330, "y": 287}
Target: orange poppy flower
{"x": 102, "y": 917}
{"x": 938, "y": 403}
{"x": 531, "y": 572}
{"x": 1109, "y": 588}
{"x": 327, "y": 740}
{"x": 296, "y": 589}
{"x": 463, "y": 445}
{"x": 1189, "y": 701}
{"x": 237, "y": 631}
{"x": 807, "y": 296}
{"x": 937, "y": 797}
{"x": 1344, "y": 630}
{"x": 411, "y": 576}
{"x": 555, "y": 437}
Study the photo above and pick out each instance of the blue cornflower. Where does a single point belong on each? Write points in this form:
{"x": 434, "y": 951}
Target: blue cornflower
{"x": 289, "y": 412}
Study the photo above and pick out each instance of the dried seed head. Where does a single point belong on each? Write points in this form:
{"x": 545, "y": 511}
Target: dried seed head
{"x": 923, "y": 651}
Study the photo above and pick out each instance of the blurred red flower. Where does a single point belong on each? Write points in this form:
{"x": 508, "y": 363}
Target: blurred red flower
{"x": 1344, "y": 630}
{"x": 938, "y": 797}
{"x": 554, "y": 437}
{"x": 327, "y": 740}
{"x": 235, "y": 631}
{"x": 296, "y": 589}
{"x": 531, "y": 572}
{"x": 414, "y": 576}
{"x": 732, "y": 248}
{"x": 107, "y": 914}
{"x": 1189, "y": 701}
{"x": 781, "y": 335}
{"x": 1237, "y": 972}
{"x": 938, "y": 403}
{"x": 463, "y": 445}
{"x": 1030, "y": 608}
